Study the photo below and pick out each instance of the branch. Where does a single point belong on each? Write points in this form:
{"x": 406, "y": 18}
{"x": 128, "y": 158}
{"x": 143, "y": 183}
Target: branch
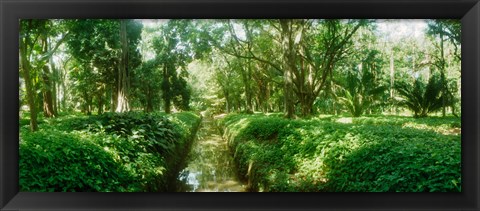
{"x": 236, "y": 54}
{"x": 49, "y": 54}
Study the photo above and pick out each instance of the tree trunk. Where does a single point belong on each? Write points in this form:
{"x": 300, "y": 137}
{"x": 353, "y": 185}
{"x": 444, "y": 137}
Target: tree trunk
{"x": 87, "y": 104}
{"x": 122, "y": 92}
{"x": 149, "y": 107}
{"x": 56, "y": 101}
{"x": 100, "y": 100}
{"x": 64, "y": 89}
{"x": 100, "y": 106}
{"x": 113, "y": 97}
{"x": 289, "y": 67}
{"x": 307, "y": 106}
{"x": 47, "y": 93}
{"x": 248, "y": 94}
{"x": 265, "y": 96}
{"x": 25, "y": 71}
{"x": 442, "y": 71}
{"x": 392, "y": 76}
{"x": 54, "y": 85}
{"x": 47, "y": 83}
{"x": 166, "y": 89}
{"x": 262, "y": 84}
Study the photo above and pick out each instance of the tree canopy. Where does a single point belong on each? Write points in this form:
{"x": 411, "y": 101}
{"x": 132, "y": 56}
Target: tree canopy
{"x": 301, "y": 67}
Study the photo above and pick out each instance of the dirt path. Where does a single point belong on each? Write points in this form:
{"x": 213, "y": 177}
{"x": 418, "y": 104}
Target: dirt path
{"x": 211, "y": 167}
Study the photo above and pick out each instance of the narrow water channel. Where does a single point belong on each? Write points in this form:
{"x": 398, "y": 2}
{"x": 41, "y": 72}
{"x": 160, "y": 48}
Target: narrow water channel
{"x": 211, "y": 167}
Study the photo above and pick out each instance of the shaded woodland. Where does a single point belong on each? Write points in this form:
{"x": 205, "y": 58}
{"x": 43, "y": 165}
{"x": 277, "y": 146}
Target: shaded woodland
{"x": 139, "y": 86}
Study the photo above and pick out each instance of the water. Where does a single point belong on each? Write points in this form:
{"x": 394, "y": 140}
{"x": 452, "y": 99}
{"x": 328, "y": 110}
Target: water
{"x": 211, "y": 167}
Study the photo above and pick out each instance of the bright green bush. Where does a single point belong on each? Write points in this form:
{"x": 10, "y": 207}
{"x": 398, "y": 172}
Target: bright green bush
{"x": 121, "y": 151}
{"x": 367, "y": 154}
{"x": 52, "y": 160}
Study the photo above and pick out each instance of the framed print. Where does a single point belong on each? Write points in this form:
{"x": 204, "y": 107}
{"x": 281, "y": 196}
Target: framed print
{"x": 299, "y": 105}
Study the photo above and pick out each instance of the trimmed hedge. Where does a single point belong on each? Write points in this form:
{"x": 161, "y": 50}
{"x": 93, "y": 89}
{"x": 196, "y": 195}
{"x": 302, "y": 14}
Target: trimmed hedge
{"x": 333, "y": 154}
{"x": 119, "y": 152}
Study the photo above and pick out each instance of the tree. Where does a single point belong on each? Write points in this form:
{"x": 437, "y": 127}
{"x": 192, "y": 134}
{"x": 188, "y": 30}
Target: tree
{"x": 309, "y": 51}
{"x": 364, "y": 87}
{"x": 39, "y": 39}
{"x": 228, "y": 82}
{"x": 94, "y": 45}
{"x": 291, "y": 35}
{"x": 181, "y": 93}
{"x": 175, "y": 49}
{"x": 445, "y": 31}
{"x": 422, "y": 98}
{"x": 123, "y": 73}
{"x": 107, "y": 49}
{"x": 27, "y": 42}
{"x": 145, "y": 85}
{"x": 321, "y": 51}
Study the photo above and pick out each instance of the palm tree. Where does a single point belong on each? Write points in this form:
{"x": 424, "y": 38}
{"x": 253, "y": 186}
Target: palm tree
{"x": 422, "y": 98}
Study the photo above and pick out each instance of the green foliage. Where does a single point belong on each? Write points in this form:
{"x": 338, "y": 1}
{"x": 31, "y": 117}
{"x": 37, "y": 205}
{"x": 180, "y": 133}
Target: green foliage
{"x": 423, "y": 98}
{"x": 181, "y": 93}
{"x": 95, "y": 44}
{"x": 367, "y": 154}
{"x": 184, "y": 120}
{"x": 145, "y": 86}
{"x": 152, "y": 133}
{"x": 449, "y": 28}
{"x": 175, "y": 48}
{"x": 54, "y": 160}
{"x": 293, "y": 66}
{"x": 363, "y": 87}
{"x": 120, "y": 152}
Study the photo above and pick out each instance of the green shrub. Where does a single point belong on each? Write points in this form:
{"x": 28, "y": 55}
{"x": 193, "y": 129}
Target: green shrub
{"x": 424, "y": 97}
{"x": 370, "y": 154}
{"x": 60, "y": 161}
{"x": 128, "y": 151}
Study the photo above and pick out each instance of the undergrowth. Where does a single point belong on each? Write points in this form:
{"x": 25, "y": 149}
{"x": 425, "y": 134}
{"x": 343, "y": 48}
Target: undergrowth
{"x": 343, "y": 154}
{"x": 118, "y": 152}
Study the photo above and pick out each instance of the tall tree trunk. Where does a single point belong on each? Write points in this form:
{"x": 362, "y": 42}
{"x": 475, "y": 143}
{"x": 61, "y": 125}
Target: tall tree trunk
{"x": 307, "y": 90}
{"x": 392, "y": 76}
{"x": 89, "y": 105}
{"x": 100, "y": 99}
{"x": 122, "y": 92}
{"x": 289, "y": 67}
{"x": 86, "y": 107}
{"x": 261, "y": 95}
{"x": 149, "y": 107}
{"x": 47, "y": 83}
{"x": 54, "y": 85}
{"x": 166, "y": 88}
{"x": 266, "y": 96}
{"x": 113, "y": 97}
{"x": 100, "y": 106}
{"x": 47, "y": 94}
{"x": 248, "y": 94}
{"x": 56, "y": 101}
{"x": 25, "y": 71}
{"x": 63, "y": 87}
{"x": 307, "y": 107}
{"x": 442, "y": 72}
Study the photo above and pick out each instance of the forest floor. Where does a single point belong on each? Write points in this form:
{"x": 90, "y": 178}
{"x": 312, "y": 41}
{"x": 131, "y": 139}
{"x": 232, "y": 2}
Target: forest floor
{"x": 376, "y": 153}
{"x": 145, "y": 152}
{"x": 112, "y": 152}
{"x": 211, "y": 167}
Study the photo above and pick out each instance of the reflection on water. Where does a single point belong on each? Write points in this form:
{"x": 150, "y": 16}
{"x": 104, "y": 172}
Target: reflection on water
{"x": 211, "y": 167}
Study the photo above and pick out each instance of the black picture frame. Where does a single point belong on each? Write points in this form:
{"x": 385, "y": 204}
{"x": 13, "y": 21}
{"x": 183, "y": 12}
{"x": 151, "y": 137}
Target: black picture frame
{"x": 13, "y": 10}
